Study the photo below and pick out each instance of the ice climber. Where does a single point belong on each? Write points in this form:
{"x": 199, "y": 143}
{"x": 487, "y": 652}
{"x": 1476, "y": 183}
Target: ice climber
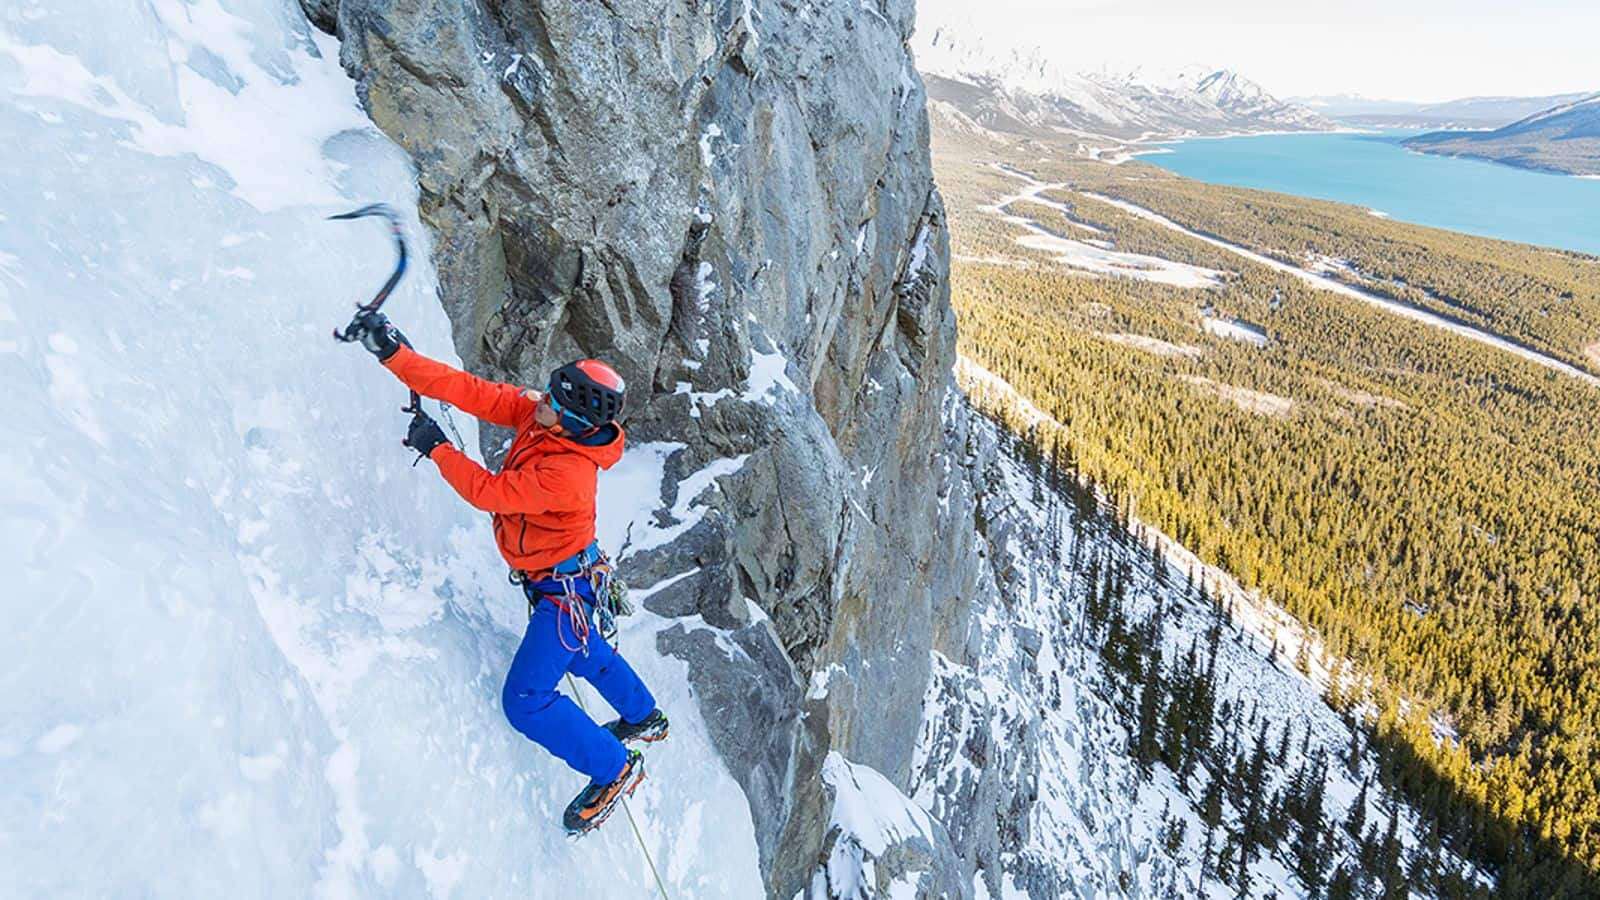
{"x": 543, "y": 506}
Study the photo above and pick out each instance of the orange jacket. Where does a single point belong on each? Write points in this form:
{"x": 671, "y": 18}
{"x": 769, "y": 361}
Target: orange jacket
{"x": 543, "y": 497}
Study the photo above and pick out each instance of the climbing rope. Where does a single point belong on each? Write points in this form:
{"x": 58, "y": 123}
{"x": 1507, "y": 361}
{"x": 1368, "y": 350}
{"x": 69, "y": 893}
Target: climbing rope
{"x": 640, "y": 838}
{"x": 637, "y": 835}
{"x": 577, "y": 612}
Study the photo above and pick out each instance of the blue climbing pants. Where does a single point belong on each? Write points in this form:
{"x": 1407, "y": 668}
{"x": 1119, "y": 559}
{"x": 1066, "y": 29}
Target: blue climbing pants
{"x": 550, "y": 719}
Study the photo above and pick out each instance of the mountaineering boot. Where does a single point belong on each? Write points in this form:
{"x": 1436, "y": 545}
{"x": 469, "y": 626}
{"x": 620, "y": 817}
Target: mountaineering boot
{"x": 595, "y": 802}
{"x": 652, "y": 729}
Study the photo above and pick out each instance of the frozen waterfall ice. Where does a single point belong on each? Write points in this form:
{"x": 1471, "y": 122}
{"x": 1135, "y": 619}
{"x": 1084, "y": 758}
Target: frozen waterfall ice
{"x": 248, "y": 649}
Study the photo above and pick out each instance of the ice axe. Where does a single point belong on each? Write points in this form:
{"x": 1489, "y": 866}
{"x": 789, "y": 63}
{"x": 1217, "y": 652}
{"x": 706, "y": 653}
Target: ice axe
{"x": 349, "y": 335}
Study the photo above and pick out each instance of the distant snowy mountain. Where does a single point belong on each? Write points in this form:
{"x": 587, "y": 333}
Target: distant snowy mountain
{"x": 1580, "y": 118}
{"x": 1565, "y": 139}
{"x": 1467, "y": 112}
{"x": 1339, "y": 105}
{"x": 1027, "y": 92}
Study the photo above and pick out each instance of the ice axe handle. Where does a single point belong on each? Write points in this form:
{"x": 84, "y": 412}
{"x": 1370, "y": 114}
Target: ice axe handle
{"x": 384, "y": 211}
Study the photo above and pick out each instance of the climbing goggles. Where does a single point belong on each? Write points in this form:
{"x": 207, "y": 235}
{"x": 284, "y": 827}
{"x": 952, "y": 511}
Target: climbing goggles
{"x": 559, "y": 585}
{"x": 555, "y": 404}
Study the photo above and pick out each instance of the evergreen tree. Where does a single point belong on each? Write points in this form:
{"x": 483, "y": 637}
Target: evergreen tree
{"x": 1242, "y": 878}
{"x": 1255, "y": 786}
{"x": 1225, "y": 860}
{"x": 1145, "y": 748}
{"x": 1391, "y": 870}
{"x": 1252, "y": 828}
{"x": 1173, "y": 831}
{"x": 1310, "y": 853}
{"x": 1357, "y": 822}
{"x": 1211, "y": 803}
{"x": 1341, "y": 886}
{"x": 1211, "y": 817}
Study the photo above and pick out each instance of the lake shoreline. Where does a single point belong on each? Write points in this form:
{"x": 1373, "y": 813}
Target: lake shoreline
{"x": 1375, "y": 169}
{"x": 1501, "y": 161}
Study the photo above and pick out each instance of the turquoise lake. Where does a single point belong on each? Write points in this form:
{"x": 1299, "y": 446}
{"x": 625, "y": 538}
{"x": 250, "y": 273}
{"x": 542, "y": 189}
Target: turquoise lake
{"x": 1375, "y": 171}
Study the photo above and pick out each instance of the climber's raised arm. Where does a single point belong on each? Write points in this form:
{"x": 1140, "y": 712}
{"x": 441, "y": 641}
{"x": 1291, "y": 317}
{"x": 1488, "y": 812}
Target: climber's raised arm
{"x": 502, "y": 404}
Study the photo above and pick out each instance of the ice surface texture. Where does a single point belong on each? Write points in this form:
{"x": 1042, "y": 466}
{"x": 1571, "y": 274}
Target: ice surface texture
{"x": 250, "y": 651}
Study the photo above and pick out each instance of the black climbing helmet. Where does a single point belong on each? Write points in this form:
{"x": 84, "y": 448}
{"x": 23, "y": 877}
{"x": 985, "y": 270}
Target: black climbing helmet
{"x": 587, "y": 390}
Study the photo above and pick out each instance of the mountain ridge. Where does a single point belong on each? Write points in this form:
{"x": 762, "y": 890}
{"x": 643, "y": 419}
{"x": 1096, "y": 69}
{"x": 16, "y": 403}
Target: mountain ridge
{"x": 1564, "y": 139}
{"x": 1023, "y": 91}
{"x": 1487, "y": 111}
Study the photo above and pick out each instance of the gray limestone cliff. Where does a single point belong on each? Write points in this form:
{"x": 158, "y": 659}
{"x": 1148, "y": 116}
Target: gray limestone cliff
{"x": 732, "y": 202}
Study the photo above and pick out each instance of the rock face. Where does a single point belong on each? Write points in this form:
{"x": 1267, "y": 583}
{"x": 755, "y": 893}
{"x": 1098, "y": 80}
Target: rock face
{"x": 732, "y": 202}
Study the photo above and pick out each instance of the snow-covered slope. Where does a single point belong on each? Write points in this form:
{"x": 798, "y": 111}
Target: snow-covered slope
{"x": 1030, "y": 91}
{"x": 1045, "y": 716}
{"x": 1580, "y": 118}
{"x": 250, "y": 651}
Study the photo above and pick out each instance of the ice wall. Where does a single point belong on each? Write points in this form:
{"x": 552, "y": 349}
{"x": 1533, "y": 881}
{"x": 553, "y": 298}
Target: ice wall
{"x": 249, "y": 650}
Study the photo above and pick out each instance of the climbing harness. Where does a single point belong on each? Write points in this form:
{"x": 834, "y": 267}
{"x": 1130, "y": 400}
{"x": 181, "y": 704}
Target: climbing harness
{"x": 638, "y": 836}
{"x": 559, "y": 585}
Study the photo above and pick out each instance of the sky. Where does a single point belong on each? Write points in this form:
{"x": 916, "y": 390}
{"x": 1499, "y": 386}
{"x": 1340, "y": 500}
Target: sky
{"x": 1422, "y": 50}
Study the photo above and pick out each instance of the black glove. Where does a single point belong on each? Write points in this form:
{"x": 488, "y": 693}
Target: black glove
{"x": 375, "y": 333}
{"x": 424, "y": 435}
